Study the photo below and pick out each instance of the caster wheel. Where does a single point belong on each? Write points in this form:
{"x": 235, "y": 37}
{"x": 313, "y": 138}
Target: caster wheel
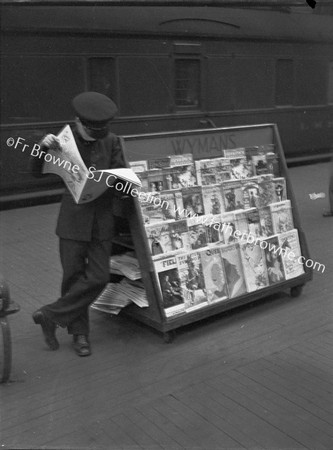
{"x": 168, "y": 337}
{"x": 296, "y": 291}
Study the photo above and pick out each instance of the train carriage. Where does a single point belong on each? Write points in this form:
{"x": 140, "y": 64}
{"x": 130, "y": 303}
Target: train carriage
{"x": 169, "y": 66}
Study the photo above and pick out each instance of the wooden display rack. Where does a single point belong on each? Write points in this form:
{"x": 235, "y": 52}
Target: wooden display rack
{"x": 202, "y": 144}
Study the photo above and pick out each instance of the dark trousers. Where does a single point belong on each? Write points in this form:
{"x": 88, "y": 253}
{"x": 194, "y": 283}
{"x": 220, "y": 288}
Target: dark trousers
{"x": 85, "y": 274}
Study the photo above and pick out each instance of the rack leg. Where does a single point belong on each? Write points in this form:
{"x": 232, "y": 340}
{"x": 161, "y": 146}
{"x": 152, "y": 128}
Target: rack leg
{"x": 5, "y": 350}
{"x": 296, "y": 291}
{"x": 169, "y": 336}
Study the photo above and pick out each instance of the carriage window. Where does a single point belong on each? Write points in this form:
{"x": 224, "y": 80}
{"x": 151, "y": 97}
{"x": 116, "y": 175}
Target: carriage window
{"x": 330, "y": 83}
{"x": 102, "y": 75}
{"x": 284, "y": 82}
{"x": 187, "y": 83}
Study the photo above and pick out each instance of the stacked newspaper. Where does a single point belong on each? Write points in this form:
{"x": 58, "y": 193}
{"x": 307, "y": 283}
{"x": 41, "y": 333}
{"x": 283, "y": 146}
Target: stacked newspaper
{"x": 125, "y": 264}
{"x": 118, "y": 295}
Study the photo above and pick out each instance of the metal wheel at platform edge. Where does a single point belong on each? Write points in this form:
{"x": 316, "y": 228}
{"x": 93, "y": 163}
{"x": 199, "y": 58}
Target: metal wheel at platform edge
{"x": 296, "y": 291}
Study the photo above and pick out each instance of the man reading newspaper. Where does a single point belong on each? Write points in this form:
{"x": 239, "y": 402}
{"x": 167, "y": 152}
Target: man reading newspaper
{"x": 85, "y": 230}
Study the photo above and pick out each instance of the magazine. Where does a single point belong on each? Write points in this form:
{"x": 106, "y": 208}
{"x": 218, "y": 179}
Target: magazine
{"x": 181, "y": 160}
{"x": 233, "y": 269}
{"x": 240, "y": 169}
{"x": 139, "y": 166}
{"x": 280, "y": 189}
{"x": 266, "y": 223}
{"x": 172, "y": 204}
{"x": 233, "y": 195}
{"x": 179, "y": 235}
{"x": 159, "y": 238}
{"x": 291, "y": 252}
{"x": 266, "y": 194}
{"x": 282, "y": 217}
{"x": 152, "y": 213}
{"x": 192, "y": 280}
{"x": 254, "y": 265}
{"x": 197, "y": 231}
{"x": 212, "y": 199}
{"x": 170, "y": 285}
{"x": 228, "y": 227}
{"x": 177, "y": 177}
{"x": 212, "y": 171}
{"x": 214, "y": 231}
{"x": 250, "y": 188}
{"x": 156, "y": 180}
{"x": 275, "y": 270}
{"x": 213, "y": 270}
{"x": 84, "y": 185}
{"x": 193, "y": 202}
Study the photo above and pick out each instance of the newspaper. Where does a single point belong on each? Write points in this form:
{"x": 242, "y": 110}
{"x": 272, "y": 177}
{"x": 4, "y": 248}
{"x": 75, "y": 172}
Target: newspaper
{"x": 84, "y": 185}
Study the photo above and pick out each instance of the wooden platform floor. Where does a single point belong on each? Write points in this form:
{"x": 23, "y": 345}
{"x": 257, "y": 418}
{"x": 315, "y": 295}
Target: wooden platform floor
{"x": 259, "y": 377}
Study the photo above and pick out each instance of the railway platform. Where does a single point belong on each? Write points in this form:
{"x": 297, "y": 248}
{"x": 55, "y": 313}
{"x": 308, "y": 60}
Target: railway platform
{"x": 257, "y": 377}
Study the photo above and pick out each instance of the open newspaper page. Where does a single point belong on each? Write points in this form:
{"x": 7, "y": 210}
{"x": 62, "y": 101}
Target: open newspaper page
{"x": 68, "y": 164}
{"x": 84, "y": 185}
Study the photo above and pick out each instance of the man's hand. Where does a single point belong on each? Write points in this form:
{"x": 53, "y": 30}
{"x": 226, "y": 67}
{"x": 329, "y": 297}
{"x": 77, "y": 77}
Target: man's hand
{"x": 52, "y": 142}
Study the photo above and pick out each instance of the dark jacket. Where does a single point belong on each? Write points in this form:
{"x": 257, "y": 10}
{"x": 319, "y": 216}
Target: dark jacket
{"x": 93, "y": 220}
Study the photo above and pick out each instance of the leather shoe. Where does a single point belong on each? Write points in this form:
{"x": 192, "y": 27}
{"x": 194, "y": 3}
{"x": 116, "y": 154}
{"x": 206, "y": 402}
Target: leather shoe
{"x": 81, "y": 345}
{"x": 48, "y": 328}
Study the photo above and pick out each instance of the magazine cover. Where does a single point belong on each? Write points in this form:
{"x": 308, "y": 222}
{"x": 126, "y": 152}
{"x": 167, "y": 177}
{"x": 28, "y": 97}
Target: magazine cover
{"x": 151, "y": 213}
{"x": 214, "y": 231}
{"x": 179, "y": 235}
{"x": 280, "y": 189}
{"x": 233, "y": 195}
{"x": 139, "y": 166}
{"x": 250, "y": 188}
{"x": 274, "y": 264}
{"x": 181, "y": 160}
{"x": 156, "y": 180}
{"x": 266, "y": 194}
{"x": 197, "y": 232}
{"x": 240, "y": 169}
{"x": 192, "y": 280}
{"x": 291, "y": 252}
{"x": 233, "y": 269}
{"x": 234, "y": 152}
{"x": 192, "y": 201}
{"x": 172, "y": 204}
{"x": 228, "y": 227}
{"x": 159, "y": 163}
{"x": 273, "y": 162}
{"x": 159, "y": 239}
{"x": 212, "y": 171}
{"x": 266, "y": 222}
{"x": 214, "y": 276}
{"x": 241, "y": 224}
{"x": 253, "y": 222}
{"x": 282, "y": 217}
{"x": 180, "y": 177}
{"x": 169, "y": 282}
{"x": 212, "y": 199}
{"x": 254, "y": 265}
{"x": 259, "y": 163}
{"x": 84, "y": 185}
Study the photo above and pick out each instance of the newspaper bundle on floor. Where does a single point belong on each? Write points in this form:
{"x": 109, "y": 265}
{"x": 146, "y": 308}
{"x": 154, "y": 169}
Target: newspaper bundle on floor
{"x": 125, "y": 264}
{"x": 118, "y": 295}
{"x": 84, "y": 185}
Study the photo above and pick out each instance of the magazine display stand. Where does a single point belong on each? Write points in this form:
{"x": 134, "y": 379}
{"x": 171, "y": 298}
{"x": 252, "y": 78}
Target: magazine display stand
{"x": 202, "y": 144}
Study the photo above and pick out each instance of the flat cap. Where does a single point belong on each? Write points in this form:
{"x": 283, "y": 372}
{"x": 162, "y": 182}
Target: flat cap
{"x": 94, "y": 108}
